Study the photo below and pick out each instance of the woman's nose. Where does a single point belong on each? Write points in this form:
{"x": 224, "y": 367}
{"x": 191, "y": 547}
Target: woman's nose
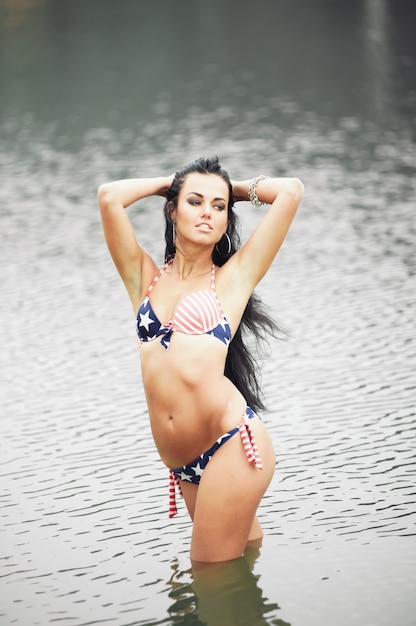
{"x": 206, "y": 208}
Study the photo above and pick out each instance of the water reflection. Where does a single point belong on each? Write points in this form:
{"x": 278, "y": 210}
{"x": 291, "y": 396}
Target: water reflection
{"x": 338, "y": 60}
{"x": 221, "y": 593}
{"x": 377, "y": 56}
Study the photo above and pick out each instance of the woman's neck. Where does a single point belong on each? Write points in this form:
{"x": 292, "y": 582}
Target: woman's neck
{"x": 186, "y": 266}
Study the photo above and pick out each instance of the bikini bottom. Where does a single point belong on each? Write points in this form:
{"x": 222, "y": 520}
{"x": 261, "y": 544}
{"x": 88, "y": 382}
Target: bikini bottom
{"x": 193, "y": 471}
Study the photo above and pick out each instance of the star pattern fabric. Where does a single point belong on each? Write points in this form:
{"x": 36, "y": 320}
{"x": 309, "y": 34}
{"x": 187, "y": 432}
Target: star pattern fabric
{"x": 222, "y": 332}
{"x": 193, "y": 471}
{"x": 148, "y": 321}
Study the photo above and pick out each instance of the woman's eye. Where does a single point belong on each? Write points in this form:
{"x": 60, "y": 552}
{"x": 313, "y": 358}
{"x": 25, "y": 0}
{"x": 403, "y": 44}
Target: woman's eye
{"x": 220, "y": 207}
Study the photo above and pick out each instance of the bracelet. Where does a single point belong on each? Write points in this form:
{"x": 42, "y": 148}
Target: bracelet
{"x": 252, "y": 196}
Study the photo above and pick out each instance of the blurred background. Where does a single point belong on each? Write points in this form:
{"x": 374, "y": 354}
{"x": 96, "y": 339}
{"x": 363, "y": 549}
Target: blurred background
{"x": 94, "y": 90}
{"x": 85, "y": 64}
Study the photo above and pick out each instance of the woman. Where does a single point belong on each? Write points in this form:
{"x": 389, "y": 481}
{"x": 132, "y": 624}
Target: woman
{"x": 197, "y": 373}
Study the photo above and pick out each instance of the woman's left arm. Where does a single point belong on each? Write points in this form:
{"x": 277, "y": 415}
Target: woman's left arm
{"x": 284, "y": 195}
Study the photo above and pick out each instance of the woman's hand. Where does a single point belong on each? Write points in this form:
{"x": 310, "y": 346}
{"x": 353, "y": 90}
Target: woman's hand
{"x": 240, "y": 190}
{"x": 166, "y": 182}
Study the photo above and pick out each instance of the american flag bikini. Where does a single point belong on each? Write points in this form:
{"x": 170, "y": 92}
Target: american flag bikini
{"x": 198, "y": 313}
{"x": 193, "y": 471}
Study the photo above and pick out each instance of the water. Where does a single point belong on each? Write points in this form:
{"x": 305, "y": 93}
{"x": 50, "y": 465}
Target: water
{"x": 92, "y": 91}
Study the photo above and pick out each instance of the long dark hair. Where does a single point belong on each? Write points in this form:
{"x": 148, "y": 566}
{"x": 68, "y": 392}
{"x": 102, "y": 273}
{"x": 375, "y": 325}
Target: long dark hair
{"x": 256, "y": 325}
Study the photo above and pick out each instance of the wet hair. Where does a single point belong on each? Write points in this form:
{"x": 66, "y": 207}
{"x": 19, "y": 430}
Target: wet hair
{"x": 256, "y": 325}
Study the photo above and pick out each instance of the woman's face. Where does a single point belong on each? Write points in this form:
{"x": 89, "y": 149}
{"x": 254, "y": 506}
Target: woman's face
{"x": 201, "y": 215}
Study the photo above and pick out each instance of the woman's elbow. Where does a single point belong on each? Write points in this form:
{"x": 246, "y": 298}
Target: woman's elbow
{"x": 296, "y": 189}
{"x": 104, "y": 195}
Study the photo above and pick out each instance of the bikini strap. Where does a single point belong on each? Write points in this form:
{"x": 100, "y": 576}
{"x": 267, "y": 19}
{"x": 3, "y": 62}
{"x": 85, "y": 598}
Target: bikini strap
{"x": 156, "y": 278}
{"x": 213, "y": 278}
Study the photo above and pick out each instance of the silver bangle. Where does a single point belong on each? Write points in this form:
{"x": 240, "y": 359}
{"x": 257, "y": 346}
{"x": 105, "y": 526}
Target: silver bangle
{"x": 252, "y": 196}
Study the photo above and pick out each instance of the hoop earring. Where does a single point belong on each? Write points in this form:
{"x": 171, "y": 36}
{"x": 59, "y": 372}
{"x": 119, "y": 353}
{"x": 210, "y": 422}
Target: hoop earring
{"x": 228, "y": 246}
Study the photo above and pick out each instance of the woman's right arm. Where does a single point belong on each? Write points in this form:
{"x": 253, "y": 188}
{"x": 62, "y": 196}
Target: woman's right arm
{"x": 113, "y": 198}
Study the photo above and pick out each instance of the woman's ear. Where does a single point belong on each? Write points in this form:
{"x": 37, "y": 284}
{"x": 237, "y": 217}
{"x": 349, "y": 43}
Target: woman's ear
{"x": 171, "y": 210}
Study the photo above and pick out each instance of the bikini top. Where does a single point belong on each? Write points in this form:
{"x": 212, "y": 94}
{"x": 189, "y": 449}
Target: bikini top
{"x": 197, "y": 314}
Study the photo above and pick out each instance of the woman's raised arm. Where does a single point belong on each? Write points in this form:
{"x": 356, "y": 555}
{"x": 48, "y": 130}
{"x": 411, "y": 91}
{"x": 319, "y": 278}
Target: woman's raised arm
{"x": 284, "y": 195}
{"x": 113, "y": 199}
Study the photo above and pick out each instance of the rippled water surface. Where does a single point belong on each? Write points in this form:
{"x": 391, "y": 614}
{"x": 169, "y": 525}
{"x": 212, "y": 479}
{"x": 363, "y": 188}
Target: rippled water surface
{"x": 98, "y": 90}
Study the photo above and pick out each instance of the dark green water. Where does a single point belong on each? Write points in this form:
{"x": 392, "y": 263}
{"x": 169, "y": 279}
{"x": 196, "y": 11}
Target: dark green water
{"x": 95, "y": 90}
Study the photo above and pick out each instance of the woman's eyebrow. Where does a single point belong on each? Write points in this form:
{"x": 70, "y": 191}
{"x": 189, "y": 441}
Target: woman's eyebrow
{"x": 200, "y": 195}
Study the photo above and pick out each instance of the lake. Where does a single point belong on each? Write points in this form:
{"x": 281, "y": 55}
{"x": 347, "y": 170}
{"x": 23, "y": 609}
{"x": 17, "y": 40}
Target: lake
{"x": 97, "y": 90}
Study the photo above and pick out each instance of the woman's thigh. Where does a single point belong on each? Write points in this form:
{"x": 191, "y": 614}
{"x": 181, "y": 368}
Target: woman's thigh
{"x": 190, "y": 493}
{"x": 228, "y": 496}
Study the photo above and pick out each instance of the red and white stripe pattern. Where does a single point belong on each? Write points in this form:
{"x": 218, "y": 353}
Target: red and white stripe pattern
{"x": 173, "y": 483}
{"x": 156, "y": 278}
{"x": 198, "y": 313}
{"x": 249, "y": 443}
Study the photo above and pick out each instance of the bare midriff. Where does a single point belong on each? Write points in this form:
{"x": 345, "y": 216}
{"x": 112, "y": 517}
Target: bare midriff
{"x": 191, "y": 402}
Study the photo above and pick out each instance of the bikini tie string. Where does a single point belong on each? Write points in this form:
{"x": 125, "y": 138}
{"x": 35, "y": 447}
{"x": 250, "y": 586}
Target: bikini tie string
{"x": 173, "y": 483}
{"x": 249, "y": 443}
{"x": 250, "y": 448}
